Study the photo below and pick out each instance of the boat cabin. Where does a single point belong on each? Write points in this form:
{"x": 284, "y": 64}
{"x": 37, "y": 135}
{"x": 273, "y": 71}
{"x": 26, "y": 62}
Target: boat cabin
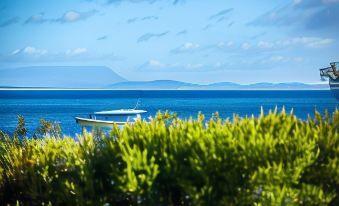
{"x": 122, "y": 115}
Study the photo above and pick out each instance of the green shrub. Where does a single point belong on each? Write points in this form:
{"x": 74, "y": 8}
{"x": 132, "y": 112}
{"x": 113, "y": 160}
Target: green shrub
{"x": 275, "y": 159}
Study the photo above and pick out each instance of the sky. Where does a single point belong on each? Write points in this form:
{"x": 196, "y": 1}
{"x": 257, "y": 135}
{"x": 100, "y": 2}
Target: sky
{"x": 197, "y": 41}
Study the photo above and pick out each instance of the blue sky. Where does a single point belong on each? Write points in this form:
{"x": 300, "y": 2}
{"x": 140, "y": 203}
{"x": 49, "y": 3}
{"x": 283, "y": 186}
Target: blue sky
{"x": 195, "y": 41}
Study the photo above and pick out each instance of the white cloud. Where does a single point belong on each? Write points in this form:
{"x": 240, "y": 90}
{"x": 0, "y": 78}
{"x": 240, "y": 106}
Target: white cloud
{"x": 186, "y": 47}
{"x": 312, "y": 42}
{"x": 155, "y": 65}
{"x": 189, "y": 46}
{"x": 73, "y": 16}
{"x": 279, "y": 58}
{"x": 76, "y": 51}
{"x": 30, "y": 51}
{"x": 309, "y": 42}
{"x": 265, "y": 45}
{"x": 36, "y": 19}
{"x": 317, "y": 43}
{"x": 224, "y": 44}
{"x": 67, "y": 17}
{"x": 34, "y": 51}
{"x": 39, "y": 55}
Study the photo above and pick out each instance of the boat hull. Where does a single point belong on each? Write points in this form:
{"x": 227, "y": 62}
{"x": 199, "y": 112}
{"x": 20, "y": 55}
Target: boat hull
{"x": 98, "y": 123}
{"x": 334, "y": 85}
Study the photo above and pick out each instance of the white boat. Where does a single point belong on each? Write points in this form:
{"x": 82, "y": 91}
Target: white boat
{"x": 110, "y": 118}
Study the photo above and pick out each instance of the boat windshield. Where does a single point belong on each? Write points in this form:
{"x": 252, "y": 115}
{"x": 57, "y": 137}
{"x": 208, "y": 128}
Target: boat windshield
{"x": 118, "y": 118}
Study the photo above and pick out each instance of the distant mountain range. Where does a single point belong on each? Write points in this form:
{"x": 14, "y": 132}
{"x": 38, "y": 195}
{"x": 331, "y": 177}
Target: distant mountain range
{"x": 98, "y": 77}
{"x": 170, "y": 84}
{"x": 157, "y": 84}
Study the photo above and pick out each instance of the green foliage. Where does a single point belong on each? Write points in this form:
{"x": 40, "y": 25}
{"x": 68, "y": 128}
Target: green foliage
{"x": 47, "y": 128}
{"x": 20, "y": 130}
{"x": 275, "y": 159}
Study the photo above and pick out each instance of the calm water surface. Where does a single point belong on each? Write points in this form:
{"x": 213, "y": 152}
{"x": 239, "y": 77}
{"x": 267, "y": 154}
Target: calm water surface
{"x": 63, "y": 106}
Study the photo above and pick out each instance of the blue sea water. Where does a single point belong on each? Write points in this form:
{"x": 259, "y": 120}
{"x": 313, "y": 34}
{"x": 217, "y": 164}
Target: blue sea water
{"x": 64, "y": 105}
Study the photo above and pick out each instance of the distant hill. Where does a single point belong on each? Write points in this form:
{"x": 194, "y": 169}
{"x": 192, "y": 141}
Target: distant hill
{"x": 157, "y": 84}
{"x": 218, "y": 86}
{"x": 59, "y": 77}
{"x": 264, "y": 86}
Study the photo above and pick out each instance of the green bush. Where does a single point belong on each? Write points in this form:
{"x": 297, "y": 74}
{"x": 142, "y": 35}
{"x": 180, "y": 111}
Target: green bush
{"x": 275, "y": 159}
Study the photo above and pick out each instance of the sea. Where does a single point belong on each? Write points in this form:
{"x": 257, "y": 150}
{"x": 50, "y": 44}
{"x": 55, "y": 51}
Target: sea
{"x": 63, "y": 106}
